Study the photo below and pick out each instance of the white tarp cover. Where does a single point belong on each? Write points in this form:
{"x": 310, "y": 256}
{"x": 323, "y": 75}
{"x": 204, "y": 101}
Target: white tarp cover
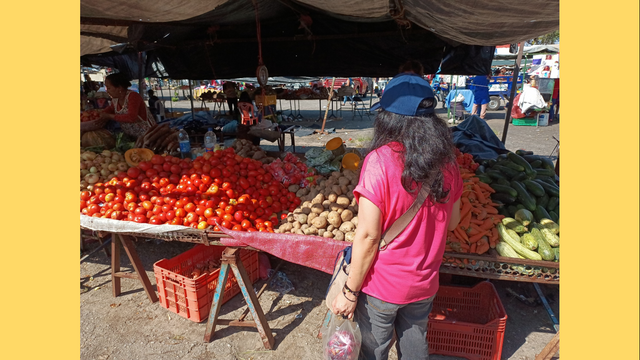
{"x": 118, "y": 226}
{"x": 355, "y": 8}
{"x": 94, "y": 45}
{"x": 147, "y": 11}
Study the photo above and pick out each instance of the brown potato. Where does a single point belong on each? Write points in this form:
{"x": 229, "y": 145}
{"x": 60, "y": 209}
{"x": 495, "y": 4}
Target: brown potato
{"x": 304, "y": 227}
{"x": 325, "y": 213}
{"x": 326, "y": 204}
{"x": 338, "y": 235}
{"x": 345, "y": 191}
{"x": 344, "y": 181}
{"x": 346, "y": 215}
{"x": 354, "y": 221}
{"x": 327, "y": 234}
{"x": 307, "y": 204}
{"x": 310, "y": 217}
{"x": 350, "y": 236}
{"x": 330, "y": 227}
{"x": 336, "y": 189}
{"x": 293, "y": 188}
{"x": 311, "y": 230}
{"x": 332, "y": 197}
{"x": 317, "y": 208}
{"x": 334, "y": 219}
{"x": 353, "y": 202}
{"x": 318, "y": 199}
{"x": 336, "y": 174}
{"x": 343, "y": 200}
{"x": 335, "y": 207}
{"x": 320, "y": 222}
{"x": 297, "y": 225}
{"x": 298, "y": 231}
{"x": 347, "y": 226}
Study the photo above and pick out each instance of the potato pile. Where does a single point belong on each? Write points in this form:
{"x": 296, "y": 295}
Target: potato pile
{"x": 245, "y": 148}
{"x": 328, "y": 209}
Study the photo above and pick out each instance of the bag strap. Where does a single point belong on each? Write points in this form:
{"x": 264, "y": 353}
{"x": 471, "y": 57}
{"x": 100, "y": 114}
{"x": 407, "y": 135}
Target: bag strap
{"x": 399, "y": 225}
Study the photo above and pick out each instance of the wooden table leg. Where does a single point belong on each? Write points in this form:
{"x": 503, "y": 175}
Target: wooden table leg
{"x": 115, "y": 264}
{"x": 551, "y": 349}
{"x": 137, "y": 266}
{"x": 231, "y": 259}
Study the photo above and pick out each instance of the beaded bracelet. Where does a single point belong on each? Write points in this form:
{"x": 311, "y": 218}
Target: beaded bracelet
{"x": 346, "y": 287}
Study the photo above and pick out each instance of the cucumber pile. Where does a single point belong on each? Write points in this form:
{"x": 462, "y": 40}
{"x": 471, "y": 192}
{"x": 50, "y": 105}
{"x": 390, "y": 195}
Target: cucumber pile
{"x": 523, "y": 238}
{"x": 523, "y": 180}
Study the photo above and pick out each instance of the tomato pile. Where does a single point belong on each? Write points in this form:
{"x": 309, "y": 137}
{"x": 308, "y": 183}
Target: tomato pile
{"x": 90, "y": 115}
{"x": 216, "y": 188}
{"x": 465, "y": 161}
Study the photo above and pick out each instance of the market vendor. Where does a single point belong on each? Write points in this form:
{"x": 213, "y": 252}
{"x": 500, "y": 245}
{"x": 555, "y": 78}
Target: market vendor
{"x": 127, "y": 108}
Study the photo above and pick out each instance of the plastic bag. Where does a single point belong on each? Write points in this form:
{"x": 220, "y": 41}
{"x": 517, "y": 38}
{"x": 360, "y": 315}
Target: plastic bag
{"x": 341, "y": 340}
{"x": 319, "y": 159}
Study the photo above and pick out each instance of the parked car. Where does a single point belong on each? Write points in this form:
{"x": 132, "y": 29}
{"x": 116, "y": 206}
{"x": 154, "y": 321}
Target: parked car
{"x": 359, "y": 84}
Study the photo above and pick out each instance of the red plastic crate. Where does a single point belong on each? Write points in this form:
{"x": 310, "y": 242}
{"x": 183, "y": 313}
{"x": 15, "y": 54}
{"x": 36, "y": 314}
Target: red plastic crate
{"x": 191, "y": 298}
{"x": 467, "y": 322}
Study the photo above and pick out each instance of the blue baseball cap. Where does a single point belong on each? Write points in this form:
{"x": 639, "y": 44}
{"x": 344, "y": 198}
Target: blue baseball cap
{"x": 403, "y": 95}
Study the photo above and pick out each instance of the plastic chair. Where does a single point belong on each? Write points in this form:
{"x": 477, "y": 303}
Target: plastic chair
{"x": 359, "y": 108}
{"x": 246, "y": 110}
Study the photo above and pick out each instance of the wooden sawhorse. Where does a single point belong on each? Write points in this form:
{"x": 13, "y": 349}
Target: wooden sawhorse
{"x": 116, "y": 274}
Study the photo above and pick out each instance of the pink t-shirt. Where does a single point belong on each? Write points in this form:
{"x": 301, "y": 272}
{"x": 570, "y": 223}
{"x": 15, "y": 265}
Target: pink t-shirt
{"x": 407, "y": 271}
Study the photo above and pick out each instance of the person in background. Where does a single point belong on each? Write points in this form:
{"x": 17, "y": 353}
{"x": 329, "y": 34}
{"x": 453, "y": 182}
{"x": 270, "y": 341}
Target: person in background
{"x": 347, "y": 89}
{"x": 392, "y": 290}
{"x": 152, "y": 102}
{"x": 231, "y": 94}
{"x": 555, "y": 100}
{"x": 480, "y": 84}
{"x": 127, "y": 107}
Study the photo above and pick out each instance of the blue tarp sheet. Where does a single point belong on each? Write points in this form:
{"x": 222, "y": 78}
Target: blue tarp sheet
{"x": 475, "y": 137}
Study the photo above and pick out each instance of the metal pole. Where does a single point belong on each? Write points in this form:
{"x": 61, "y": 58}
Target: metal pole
{"x": 191, "y": 96}
{"x": 324, "y": 121}
{"x": 514, "y": 84}
{"x": 140, "y": 74}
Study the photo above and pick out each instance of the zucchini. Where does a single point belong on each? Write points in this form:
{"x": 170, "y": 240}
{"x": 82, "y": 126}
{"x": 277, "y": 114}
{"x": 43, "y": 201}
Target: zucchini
{"x": 520, "y": 206}
{"x": 512, "y": 165}
{"x": 550, "y": 224}
{"x": 543, "y": 200}
{"x": 524, "y": 216}
{"x": 489, "y": 163}
{"x": 524, "y": 152}
{"x": 544, "y": 172}
{"x": 495, "y": 174}
{"x": 522, "y": 162}
{"x": 552, "y": 190}
{"x": 556, "y": 252}
{"x": 554, "y": 201}
{"x": 484, "y": 178}
{"x": 506, "y": 250}
{"x": 510, "y": 173}
{"x": 550, "y": 237}
{"x": 514, "y": 242}
{"x": 514, "y": 225}
{"x": 544, "y": 249}
{"x": 504, "y": 189}
{"x": 503, "y": 198}
{"x": 541, "y": 213}
{"x": 536, "y": 164}
{"x": 512, "y": 210}
{"x": 548, "y": 164}
{"x": 525, "y": 198}
{"x": 503, "y": 182}
{"x": 529, "y": 241}
{"x": 554, "y": 216}
{"x": 545, "y": 178}
{"x": 533, "y": 187}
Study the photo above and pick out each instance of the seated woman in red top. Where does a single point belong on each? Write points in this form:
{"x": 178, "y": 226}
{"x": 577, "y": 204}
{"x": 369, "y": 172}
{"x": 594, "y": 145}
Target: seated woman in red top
{"x": 127, "y": 108}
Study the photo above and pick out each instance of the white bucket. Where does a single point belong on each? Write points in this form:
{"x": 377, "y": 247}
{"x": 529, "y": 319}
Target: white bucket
{"x": 543, "y": 119}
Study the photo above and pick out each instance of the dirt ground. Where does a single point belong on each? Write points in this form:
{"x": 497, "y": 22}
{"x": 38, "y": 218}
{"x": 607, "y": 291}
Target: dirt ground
{"x": 131, "y": 327}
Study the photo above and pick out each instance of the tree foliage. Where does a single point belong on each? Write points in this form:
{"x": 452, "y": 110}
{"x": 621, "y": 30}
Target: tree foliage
{"x": 547, "y": 39}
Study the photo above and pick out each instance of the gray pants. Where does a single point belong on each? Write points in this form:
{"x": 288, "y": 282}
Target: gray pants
{"x": 378, "y": 320}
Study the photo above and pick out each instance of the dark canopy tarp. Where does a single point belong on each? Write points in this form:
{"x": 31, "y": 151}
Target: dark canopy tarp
{"x": 217, "y": 38}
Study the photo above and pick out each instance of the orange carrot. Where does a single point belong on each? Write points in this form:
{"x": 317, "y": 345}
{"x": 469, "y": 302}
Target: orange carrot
{"x": 478, "y": 236}
{"x": 494, "y": 237}
{"x": 461, "y": 235}
{"x": 479, "y": 193}
{"x": 487, "y": 224}
{"x": 472, "y": 248}
{"x": 491, "y": 210}
{"x": 478, "y": 222}
{"x": 482, "y": 246}
{"x": 486, "y": 187}
{"x": 465, "y": 247}
{"x": 482, "y": 214}
{"x": 473, "y": 229}
{"x": 466, "y": 207}
{"x": 467, "y": 175}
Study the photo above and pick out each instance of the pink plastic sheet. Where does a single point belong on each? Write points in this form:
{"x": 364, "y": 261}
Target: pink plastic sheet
{"x": 311, "y": 251}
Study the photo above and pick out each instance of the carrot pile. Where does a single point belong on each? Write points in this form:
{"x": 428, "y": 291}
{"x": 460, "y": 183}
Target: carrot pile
{"x": 477, "y": 231}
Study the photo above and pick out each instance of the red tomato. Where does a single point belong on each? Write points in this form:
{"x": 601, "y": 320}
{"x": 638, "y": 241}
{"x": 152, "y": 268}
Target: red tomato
{"x": 118, "y": 206}
{"x": 192, "y": 217}
{"x": 140, "y": 219}
{"x": 237, "y": 228}
{"x": 140, "y": 211}
{"x": 85, "y": 195}
{"x": 151, "y": 173}
{"x": 92, "y": 209}
{"x": 226, "y": 224}
{"x": 144, "y": 165}
{"x": 202, "y": 225}
{"x": 238, "y": 216}
{"x": 148, "y": 205}
{"x": 109, "y": 197}
{"x": 133, "y": 172}
{"x": 229, "y": 209}
{"x": 251, "y": 229}
{"x": 170, "y": 215}
{"x": 181, "y": 213}
{"x": 155, "y": 220}
{"x": 157, "y": 159}
{"x": 131, "y": 206}
{"x": 227, "y": 217}
{"x": 268, "y": 224}
{"x": 200, "y": 210}
{"x": 219, "y": 212}
{"x": 190, "y": 207}
{"x": 245, "y": 224}
{"x": 209, "y": 213}
{"x": 283, "y": 216}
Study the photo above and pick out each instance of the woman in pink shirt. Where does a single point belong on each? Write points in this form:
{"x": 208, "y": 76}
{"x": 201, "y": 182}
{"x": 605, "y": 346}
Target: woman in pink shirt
{"x": 393, "y": 289}
{"x": 128, "y": 107}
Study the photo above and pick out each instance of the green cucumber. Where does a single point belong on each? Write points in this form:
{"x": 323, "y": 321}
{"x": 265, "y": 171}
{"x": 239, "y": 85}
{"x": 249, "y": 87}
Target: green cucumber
{"x": 524, "y": 216}
{"x": 502, "y": 210}
{"x": 489, "y": 163}
{"x": 529, "y": 241}
{"x": 554, "y": 201}
{"x": 521, "y": 176}
{"x": 533, "y": 187}
{"x": 494, "y": 174}
{"x": 525, "y": 198}
{"x": 543, "y": 200}
{"x": 544, "y": 172}
{"x": 520, "y": 206}
{"x": 554, "y": 216}
{"x": 501, "y": 156}
{"x": 512, "y": 165}
{"x": 510, "y": 173}
{"x": 544, "y": 249}
{"x": 512, "y": 211}
{"x": 503, "y": 198}
{"x": 504, "y": 189}
{"x": 541, "y": 213}
{"x": 522, "y": 162}
{"x": 524, "y": 152}
{"x": 556, "y": 252}
{"x": 484, "y": 178}
{"x": 503, "y": 182}
{"x": 536, "y": 164}
{"x": 531, "y": 158}
{"x": 552, "y": 190}
{"x": 512, "y": 239}
{"x": 548, "y": 164}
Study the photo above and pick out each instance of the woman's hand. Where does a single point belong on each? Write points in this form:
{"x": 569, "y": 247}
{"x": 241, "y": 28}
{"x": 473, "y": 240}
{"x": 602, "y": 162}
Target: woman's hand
{"x": 343, "y": 306}
{"x": 104, "y": 117}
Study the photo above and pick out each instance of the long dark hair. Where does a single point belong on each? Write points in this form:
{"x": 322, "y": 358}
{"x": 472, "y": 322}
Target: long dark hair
{"x": 427, "y": 147}
{"x": 119, "y": 80}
